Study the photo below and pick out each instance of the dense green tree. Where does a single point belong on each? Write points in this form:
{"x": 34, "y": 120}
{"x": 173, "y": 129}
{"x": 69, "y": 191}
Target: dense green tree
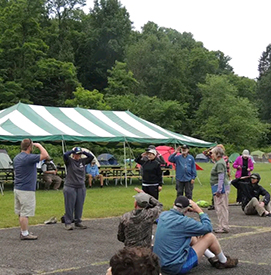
{"x": 57, "y": 81}
{"x": 21, "y": 46}
{"x": 265, "y": 61}
{"x": 87, "y": 99}
{"x": 120, "y": 80}
{"x": 64, "y": 28}
{"x": 168, "y": 114}
{"x": 107, "y": 31}
{"x": 264, "y": 85}
{"x": 225, "y": 117}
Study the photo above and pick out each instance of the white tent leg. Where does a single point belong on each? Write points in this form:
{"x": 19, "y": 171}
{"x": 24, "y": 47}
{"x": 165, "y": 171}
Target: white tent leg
{"x": 125, "y": 168}
{"x": 199, "y": 180}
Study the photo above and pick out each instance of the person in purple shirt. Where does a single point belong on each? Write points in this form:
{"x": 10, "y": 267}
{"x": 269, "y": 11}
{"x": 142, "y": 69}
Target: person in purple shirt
{"x": 25, "y": 181}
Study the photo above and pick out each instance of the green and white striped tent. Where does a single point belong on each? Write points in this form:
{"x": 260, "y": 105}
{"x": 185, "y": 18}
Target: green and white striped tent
{"x": 42, "y": 123}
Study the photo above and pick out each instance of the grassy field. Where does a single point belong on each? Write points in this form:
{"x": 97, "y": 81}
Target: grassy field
{"x": 114, "y": 200}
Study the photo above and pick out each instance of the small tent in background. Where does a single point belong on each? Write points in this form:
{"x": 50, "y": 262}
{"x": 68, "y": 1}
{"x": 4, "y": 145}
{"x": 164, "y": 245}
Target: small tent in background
{"x": 259, "y": 156}
{"x": 5, "y": 161}
{"x": 96, "y": 160}
{"x": 233, "y": 157}
{"x": 165, "y": 152}
{"x": 201, "y": 158}
{"x": 107, "y": 159}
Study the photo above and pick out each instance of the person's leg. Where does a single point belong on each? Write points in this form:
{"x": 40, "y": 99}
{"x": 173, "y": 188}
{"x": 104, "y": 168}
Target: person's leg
{"x": 209, "y": 241}
{"x": 80, "y": 199}
{"x": 253, "y": 207}
{"x": 27, "y": 209}
{"x": 47, "y": 181}
{"x": 90, "y": 179}
{"x": 69, "y": 201}
{"x": 179, "y": 188}
{"x": 23, "y": 223}
{"x": 188, "y": 189}
{"x": 100, "y": 176}
{"x": 222, "y": 212}
{"x": 57, "y": 181}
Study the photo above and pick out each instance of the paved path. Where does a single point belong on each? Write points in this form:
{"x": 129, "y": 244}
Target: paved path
{"x": 62, "y": 252}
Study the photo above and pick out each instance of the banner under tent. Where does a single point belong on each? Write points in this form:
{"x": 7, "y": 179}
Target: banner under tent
{"x": 66, "y": 124}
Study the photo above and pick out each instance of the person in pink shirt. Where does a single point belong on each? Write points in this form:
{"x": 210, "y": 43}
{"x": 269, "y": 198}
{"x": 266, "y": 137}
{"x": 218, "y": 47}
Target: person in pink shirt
{"x": 243, "y": 165}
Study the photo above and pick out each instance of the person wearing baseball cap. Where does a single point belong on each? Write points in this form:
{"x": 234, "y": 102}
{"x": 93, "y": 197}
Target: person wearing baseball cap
{"x": 176, "y": 243}
{"x": 252, "y": 203}
{"x": 74, "y": 186}
{"x": 185, "y": 170}
{"x": 152, "y": 179}
{"x": 135, "y": 227}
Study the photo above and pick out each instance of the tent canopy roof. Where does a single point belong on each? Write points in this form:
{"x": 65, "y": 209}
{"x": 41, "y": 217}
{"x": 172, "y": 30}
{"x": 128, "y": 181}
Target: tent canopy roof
{"x": 42, "y": 123}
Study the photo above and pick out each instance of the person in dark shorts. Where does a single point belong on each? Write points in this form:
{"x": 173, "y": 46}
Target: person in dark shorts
{"x": 181, "y": 241}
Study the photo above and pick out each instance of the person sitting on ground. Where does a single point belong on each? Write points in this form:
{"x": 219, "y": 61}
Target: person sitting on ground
{"x": 92, "y": 171}
{"x": 177, "y": 242}
{"x": 50, "y": 174}
{"x": 135, "y": 228}
{"x": 134, "y": 261}
{"x": 251, "y": 192}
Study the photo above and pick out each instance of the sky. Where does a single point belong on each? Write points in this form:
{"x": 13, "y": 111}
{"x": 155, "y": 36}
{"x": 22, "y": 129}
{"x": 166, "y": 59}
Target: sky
{"x": 238, "y": 28}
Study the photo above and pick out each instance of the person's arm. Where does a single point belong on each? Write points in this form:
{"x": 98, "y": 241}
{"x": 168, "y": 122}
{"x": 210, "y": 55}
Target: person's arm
{"x": 155, "y": 207}
{"x": 195, "y": 227}
{"x": 121, "y": 235}
{"x": 89, "y": 157}
{"x": 194, "y": 170}
{"x": 67, "y": 155}
{"x": 265, "y": 194}
{"x": 140, "y": 159}
{"x": 236, "y": 163}
{"x": 171, "y": 158}
{"x": 250, "y": 164}
{"x": 43, "y": 153}
{"x": 221, "y": 177}
{"x": 161, "y": 159}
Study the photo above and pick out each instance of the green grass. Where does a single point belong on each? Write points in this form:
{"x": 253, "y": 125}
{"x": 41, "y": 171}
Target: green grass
{"x": 113, "y": 200}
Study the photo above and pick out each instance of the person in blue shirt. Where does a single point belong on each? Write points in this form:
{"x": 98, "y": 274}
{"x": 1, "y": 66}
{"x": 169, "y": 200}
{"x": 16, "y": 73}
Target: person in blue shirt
{"x": 185, "y": 170}
{"x": 181, "y": 241}
{"x": 25, "y": 182}
{"x": 92, "y": 171}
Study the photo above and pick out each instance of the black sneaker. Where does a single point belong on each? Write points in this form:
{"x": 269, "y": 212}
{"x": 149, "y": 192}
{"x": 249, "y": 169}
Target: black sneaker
{"x": 80, "y": 226}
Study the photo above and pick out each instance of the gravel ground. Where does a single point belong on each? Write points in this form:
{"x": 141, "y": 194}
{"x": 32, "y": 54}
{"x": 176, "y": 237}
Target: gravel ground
{"x": 88, "y": 251}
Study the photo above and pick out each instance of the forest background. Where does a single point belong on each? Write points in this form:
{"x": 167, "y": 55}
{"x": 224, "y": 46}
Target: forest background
{"x": 52, "y": 53}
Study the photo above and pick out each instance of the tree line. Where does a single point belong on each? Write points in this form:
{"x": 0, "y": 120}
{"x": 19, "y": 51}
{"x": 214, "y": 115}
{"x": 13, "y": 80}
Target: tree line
{"x": 52, "y": 53}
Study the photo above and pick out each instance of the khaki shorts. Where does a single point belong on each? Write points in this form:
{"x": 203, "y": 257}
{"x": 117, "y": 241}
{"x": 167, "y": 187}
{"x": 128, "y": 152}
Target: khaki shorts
{"x": 24, "y": 203}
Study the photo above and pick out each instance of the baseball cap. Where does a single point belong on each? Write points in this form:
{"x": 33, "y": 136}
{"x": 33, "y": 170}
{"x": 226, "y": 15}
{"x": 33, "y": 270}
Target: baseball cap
{"x": 181, "y": 202}
{"x": 152, "y": 151}
{"x": 151, "y": 147}
{"x": 245, "y": 153}
{"x": 142, "y": 199}
{"x": 255, "y": 176}
{"x": 184, "y": 146}
{"x": 78, "y": 150}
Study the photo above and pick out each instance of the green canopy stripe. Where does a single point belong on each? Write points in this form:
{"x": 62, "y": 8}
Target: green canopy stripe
{"x": 44, "y": 123}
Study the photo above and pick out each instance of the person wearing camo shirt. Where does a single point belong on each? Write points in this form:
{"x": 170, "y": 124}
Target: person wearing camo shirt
{"x": 135, "y": 227}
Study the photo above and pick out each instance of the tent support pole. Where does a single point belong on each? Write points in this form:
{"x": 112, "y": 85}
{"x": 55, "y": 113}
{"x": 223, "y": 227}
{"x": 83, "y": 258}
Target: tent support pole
{"x": 63, "y": 150}
{"x": 125, "y": 168}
